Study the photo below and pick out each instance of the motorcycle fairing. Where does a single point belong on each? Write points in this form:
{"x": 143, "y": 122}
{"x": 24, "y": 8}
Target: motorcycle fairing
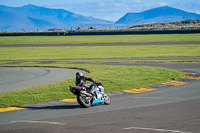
{"x": 98, "y": 100}
{"x": 99, "y": 93}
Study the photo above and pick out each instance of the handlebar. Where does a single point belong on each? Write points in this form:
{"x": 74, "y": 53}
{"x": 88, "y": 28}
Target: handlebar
{"x": 98, "y": 83}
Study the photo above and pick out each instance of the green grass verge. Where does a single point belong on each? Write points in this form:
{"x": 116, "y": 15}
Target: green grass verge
{"x": 99, "y": 39}
{"x": 130, "y": 62}
{"x": 53, "y": 53}
{"x": 114, "y": 78}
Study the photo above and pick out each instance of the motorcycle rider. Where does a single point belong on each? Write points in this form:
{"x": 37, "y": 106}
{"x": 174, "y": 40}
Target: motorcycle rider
{"x": 81, "y": 81}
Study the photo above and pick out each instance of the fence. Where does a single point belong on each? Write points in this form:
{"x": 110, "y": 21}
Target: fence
{"x": 98, "y": 32}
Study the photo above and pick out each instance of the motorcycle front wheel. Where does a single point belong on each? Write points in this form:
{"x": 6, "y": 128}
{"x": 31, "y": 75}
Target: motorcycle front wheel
{"x": 106, "y": 99}
{"x": 84, "y": 101}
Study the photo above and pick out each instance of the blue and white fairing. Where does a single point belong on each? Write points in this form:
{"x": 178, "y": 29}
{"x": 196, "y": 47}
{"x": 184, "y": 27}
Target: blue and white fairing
{"x": 99, "y": 93}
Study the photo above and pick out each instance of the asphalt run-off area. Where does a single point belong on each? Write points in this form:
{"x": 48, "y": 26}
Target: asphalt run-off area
{"x": 170, "y": 107}
{"x": 13, "y": 78}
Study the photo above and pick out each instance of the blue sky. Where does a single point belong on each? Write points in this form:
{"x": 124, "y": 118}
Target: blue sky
{"x": 107, "y": 9}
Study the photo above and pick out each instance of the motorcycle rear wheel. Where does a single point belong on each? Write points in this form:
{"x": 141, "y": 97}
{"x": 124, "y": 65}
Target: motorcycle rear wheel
{"x": 83, "y": 101}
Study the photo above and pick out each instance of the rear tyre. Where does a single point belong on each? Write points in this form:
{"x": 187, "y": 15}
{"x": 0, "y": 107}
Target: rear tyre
{"x": 84, "y": 101}
{"x": 106, "y": 99}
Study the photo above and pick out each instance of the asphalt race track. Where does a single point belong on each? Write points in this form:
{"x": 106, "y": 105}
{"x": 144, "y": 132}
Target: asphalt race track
{"x": 174, "y": 109}
{"x": 13, "y": 78}
{"x": 101, "y": 44}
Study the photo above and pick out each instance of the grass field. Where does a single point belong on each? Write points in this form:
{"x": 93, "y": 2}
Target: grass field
{"x": 114, "y": 78}
{"x": 99, "y": 39}
{"x": 49, "y": 53}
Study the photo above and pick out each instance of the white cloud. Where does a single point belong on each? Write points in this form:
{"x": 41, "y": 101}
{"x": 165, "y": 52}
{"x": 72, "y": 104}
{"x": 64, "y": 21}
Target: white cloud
{"x": 102, "y": 4}
{"x": 137, "y": 1}
{"x": 198, "y": 12}
{"x": 163, "y": 3}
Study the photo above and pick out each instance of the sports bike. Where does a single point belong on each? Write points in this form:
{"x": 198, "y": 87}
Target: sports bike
{"x": 86, "y": 99}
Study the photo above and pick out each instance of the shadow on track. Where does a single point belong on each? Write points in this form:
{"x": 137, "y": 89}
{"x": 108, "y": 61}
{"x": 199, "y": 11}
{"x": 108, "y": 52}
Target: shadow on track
{"x": 53, "y": 107}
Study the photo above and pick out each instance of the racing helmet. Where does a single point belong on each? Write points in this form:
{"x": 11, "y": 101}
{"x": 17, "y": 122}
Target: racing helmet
{"x": 79, "y": 78}
{"x": 79, "y": 75}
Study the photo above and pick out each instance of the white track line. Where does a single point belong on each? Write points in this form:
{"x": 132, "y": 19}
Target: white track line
{"x": 157, "y": 130}
{"x": 41, "y": 122}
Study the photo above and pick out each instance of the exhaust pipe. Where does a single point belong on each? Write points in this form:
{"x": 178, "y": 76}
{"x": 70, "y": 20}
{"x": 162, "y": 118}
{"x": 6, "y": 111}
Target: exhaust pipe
{"x": 85, "y": 93}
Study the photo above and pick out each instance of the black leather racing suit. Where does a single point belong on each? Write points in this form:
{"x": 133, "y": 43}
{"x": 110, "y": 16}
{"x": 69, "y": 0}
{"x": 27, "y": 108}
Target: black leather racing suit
{"x": 82, "y": 82}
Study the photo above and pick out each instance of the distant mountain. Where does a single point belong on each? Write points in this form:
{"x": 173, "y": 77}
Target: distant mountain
{"x": 157, "y": 15}
{"x": 32, "y": 17}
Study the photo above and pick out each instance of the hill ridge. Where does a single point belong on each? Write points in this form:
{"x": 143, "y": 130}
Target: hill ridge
{"x": 34, "y": 17}
{"x": 157, "y": 15}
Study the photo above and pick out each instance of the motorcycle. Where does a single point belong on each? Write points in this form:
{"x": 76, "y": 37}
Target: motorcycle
{"x": 85, "y": 99}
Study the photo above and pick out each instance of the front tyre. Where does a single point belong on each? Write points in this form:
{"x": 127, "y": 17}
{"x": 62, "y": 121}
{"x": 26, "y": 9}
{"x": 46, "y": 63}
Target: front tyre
{"x": 84, "y": 101}
{"x": 106, "y": 99}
